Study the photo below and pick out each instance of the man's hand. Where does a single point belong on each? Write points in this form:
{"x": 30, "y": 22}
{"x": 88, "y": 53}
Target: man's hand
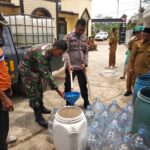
{"x": 10, "y": 92}
{"x": 7, "y": 104}
{"x": 70, "y": 68}
{"x": 60, "y": 93}
{"x": 131, "y": 71}
{"x": 82, "y": 66}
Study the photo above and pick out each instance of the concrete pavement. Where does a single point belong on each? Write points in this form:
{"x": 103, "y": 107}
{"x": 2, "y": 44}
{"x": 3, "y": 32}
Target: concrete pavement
{"x": 33, "y": 137}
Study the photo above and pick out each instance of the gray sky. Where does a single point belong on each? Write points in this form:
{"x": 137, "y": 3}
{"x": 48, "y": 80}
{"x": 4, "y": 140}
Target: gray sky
{"x": 109, "y": 8}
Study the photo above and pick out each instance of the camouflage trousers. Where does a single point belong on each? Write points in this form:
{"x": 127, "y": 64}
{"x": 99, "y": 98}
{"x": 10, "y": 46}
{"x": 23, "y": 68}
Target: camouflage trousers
{"x": 33, "y": 87}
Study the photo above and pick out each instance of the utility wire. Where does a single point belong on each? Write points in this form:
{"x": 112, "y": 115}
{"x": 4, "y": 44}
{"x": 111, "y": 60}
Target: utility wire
{"x": 122, "y": 11}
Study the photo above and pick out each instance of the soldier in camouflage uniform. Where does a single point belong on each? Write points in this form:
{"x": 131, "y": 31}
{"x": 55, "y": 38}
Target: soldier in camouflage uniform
{"x": 36, "y": 66}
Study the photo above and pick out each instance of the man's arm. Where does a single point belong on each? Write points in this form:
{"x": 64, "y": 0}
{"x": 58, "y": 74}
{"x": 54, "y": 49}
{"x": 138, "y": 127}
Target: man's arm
{"x": 6, "y": 102}
{"x": 132, "y": 58}
{"x": 86, "y": 55}
{"x": 111, "y": 40}
{"x": 44, "y": 70}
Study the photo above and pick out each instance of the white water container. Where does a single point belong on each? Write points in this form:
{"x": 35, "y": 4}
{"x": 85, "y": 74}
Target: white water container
{"x": 70, "y": 129}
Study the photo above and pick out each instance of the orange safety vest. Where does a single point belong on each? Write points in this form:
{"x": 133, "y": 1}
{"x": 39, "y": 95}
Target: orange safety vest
{"x": 5, "y": 81}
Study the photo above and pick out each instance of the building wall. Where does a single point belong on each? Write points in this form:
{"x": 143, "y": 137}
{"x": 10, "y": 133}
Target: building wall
{"x": 78, "y": 7}
{"x": 71, "y": 20}
{"x": 6, "y": 10}
{"x": 16, "y": 2}
{"x": 31, "y": 5}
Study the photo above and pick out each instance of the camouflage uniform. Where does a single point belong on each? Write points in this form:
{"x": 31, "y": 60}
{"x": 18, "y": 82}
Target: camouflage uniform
{"x": 34, "y": 67}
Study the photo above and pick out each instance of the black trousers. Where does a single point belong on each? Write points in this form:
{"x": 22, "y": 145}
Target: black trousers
{"x": 82, "y": 84}
{"x": 4, "y": 126}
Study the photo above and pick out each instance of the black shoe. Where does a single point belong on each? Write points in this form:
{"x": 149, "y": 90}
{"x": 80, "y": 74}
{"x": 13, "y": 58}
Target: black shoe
{"x": 39, "y": 118}
{"x": 128, "y": 93}
{"x": 45, "y": 110}
{"x": 41, "y": 121}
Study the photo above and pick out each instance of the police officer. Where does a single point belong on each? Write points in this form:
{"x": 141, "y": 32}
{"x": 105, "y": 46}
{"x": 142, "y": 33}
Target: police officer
{"x": 34, "y": 67}
{"x": 76, "y": 58}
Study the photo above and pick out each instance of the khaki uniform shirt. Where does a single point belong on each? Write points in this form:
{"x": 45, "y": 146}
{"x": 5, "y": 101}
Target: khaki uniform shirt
{"x": 113, "y": 42}
{"x": 132, "y": 45}
{"x": 140, "y": 57}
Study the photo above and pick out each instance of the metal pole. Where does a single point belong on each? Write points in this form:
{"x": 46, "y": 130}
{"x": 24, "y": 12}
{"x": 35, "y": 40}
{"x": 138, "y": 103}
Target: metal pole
{"x": 140, "y": 6}
{"x": 117, "y": 8}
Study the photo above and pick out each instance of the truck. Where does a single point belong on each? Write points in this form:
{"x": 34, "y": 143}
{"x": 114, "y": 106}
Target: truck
{"x": 23, "y": 32}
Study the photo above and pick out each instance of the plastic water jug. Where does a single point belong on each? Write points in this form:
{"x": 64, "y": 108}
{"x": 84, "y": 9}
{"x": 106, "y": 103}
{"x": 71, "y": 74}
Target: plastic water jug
{"x": 70, "y": 129}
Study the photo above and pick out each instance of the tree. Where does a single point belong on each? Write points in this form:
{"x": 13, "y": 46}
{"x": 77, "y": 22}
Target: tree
{"x": 141, "y": 10}
{"x": 130, "y": 25}
{"x": 99, "y": 16}
{"x": 97, "y": 27}
{"x": 146, "y": 1}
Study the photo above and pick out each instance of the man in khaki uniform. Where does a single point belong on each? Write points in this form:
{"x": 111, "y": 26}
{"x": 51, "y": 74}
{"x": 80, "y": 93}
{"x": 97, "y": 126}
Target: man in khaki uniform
{"x": 137, "y": 31}
{"x": 140, "y": 56}
{"x": 92, "y": 46}
{"x": 113, "y": 46}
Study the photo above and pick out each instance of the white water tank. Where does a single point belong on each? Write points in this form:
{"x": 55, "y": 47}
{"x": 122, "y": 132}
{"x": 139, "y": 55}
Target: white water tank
{"x": 70, "y": 129}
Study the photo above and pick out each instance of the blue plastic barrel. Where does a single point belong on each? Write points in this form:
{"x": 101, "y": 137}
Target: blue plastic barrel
{"x": 141, "y": 82}
{"x": 141, "y": 113}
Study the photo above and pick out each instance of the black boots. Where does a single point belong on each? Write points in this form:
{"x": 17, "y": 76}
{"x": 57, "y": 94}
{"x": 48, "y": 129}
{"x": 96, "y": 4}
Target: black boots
{"x": 39, "y": 118}
{"x": 38, "y": 111}
{"x": 43, "y": 109}
{"x": 127, "y": 93}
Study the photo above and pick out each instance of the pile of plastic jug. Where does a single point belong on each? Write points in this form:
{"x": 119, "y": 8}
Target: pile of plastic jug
{"x": 109, "y": 128}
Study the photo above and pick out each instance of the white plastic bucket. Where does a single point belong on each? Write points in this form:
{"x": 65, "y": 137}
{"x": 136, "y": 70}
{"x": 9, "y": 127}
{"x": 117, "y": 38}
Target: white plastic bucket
{"x": 70, "y": 129}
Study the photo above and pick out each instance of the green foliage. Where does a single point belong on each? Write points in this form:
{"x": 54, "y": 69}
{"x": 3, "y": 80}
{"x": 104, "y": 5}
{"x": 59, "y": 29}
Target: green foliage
{"x": 97, "y": 27}
{"x": 130, "y": 25}
{"x": 146, "y": 1}
{"x": 141, "y": 10}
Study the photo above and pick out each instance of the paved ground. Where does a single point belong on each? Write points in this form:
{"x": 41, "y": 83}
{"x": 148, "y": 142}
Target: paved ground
{"x": 33, "y": 137}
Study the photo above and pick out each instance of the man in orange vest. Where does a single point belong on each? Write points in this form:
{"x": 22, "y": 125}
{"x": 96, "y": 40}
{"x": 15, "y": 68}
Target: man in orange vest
{"x": 5, "y": 89}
